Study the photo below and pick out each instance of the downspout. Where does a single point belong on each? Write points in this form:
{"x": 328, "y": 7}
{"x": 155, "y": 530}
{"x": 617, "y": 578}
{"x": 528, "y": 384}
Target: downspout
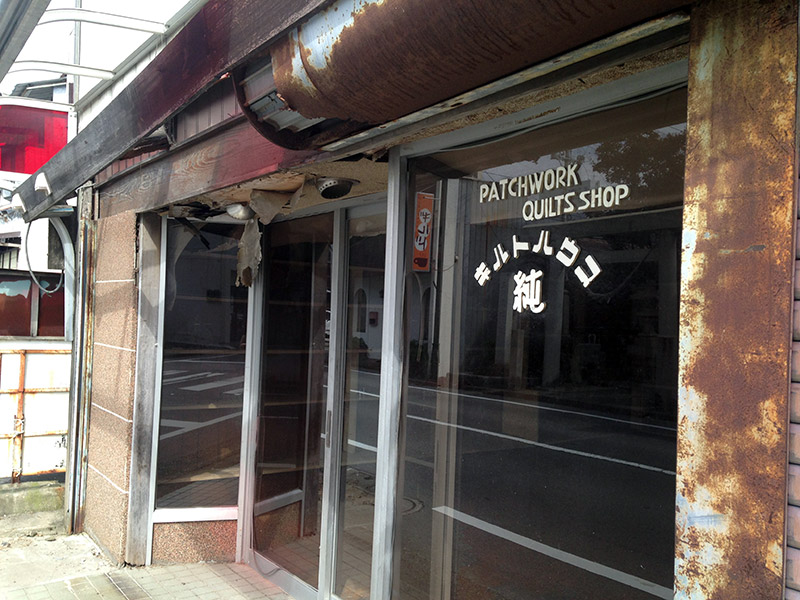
{"x": 315, "y": 136}
{"x": 80, "y": 378}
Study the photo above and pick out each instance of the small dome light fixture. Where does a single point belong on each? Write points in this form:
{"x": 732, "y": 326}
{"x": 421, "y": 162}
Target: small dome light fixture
{"x": 240, "y": 211}
{"x": 331, "y": 188}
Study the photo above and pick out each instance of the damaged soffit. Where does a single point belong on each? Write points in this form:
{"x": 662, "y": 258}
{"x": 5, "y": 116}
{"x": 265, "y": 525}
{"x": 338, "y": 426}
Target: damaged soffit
{"x": 297, "y": 186}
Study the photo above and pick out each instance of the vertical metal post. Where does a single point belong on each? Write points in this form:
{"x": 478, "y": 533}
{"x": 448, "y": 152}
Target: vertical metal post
{"x": 19, "y": 423}
{"x": 333, "y": 415}
{"x": 35, "y": 294}
{"x": 386, "y": 477}
{"x": 80, "y": 380}
{"x": 252, "y": 392}
{"x": 159, "y": 365}
{"x": 76, "y": 57}
{"x": 449, "y": 335}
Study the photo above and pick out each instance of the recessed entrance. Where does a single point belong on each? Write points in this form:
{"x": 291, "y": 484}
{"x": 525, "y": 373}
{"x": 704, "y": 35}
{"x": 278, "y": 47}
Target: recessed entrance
{"x": 311, "y": 439}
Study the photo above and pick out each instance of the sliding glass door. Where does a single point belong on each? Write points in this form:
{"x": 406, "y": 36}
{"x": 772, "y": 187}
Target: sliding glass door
{"x": 315, "y": 320}
{"x": 357, "y": 438}
{"x": 291, "y": 405}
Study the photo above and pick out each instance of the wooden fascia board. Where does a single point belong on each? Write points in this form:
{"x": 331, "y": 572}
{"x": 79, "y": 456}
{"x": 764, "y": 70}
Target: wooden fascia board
{"x": 234, "y": 155}
{"x": 221, "y": 36}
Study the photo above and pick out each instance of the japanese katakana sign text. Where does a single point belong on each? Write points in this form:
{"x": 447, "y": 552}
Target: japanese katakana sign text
{"x": 528, "y": 284}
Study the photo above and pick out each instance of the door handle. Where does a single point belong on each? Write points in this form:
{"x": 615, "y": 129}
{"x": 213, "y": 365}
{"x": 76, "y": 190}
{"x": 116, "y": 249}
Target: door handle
{"x": 328, "y": 418}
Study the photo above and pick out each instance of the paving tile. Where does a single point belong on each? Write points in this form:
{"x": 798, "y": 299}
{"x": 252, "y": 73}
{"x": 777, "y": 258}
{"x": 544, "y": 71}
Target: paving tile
{"x": 61, "y": 593}
{"x": 200, "y": 581}
{"x": 88, "y": 595}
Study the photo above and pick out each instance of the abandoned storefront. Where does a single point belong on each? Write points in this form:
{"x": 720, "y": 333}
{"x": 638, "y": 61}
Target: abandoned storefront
{"x": 524, "y": 334}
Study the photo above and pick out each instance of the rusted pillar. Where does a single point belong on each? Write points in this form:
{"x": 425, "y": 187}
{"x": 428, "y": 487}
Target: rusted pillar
{"x": 736, "y": 298}
{"x": 19, "y": 422}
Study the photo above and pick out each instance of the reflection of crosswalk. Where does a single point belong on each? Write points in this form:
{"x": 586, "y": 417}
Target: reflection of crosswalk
{"x": 202, "y": 387}
{"x": 190, "y": 376}
{"x": 205, "y": 392}
{"x": 187, "y": 426}
{"x": 202, "y": 382}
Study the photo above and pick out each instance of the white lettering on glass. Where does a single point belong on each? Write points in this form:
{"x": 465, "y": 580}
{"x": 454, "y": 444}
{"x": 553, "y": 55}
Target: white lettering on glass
{"x": 594, "y": 271}
{"x": 543, "y": 245}
{"x": 518, "y": 246}
{"x": 528, "y": 286}
{"x": 528, "y": 292}
{"x": 482, "y": 274}
{"x": 501, "y": 257}
{"x": 568, "y": 253}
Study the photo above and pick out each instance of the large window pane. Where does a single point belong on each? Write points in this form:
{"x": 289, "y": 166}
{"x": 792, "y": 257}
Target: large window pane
{"x": 15, "y": 304}
{"x": 51, "y": 307}
{"x": 289, "y": 454}
{"x": 22, "y": 314}
{"x": 540, "y": 427}
{"x": 203, "y": 368}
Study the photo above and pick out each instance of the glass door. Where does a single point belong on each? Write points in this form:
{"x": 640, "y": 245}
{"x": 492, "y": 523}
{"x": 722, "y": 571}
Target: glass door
{"x": 357, "y": 426}
{"x": 287, "y": 503}
{"x": 316, "y": 442}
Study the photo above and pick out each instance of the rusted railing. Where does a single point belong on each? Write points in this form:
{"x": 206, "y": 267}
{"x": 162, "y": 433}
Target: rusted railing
{"x": 16, "y": 396}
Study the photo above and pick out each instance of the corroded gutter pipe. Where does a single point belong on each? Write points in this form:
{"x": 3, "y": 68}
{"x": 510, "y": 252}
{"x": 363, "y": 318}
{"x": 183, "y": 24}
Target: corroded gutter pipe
{"x": 372, "y": 61}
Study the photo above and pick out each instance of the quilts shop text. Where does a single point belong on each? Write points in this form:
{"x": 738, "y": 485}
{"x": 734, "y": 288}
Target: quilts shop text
{"x": 554, "y": 205}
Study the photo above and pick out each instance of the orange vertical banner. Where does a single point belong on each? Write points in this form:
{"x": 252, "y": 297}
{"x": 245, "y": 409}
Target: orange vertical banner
{"x": 423, "y": 226}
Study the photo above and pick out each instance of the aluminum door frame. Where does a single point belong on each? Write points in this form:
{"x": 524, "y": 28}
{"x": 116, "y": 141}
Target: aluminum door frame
{"x": 333, "y": 417}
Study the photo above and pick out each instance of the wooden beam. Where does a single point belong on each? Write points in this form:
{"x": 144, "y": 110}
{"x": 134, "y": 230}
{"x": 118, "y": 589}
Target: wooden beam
{"x": 234, "y": 155}
{"x": 221, "y": 36}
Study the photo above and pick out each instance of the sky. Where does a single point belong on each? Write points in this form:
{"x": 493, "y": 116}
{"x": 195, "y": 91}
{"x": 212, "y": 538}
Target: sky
{"x": 101, "y": 46}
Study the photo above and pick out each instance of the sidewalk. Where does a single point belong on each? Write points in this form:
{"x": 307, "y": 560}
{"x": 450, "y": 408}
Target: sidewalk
{"x": 39, "y": 562}
{"x": 197, "y": 581}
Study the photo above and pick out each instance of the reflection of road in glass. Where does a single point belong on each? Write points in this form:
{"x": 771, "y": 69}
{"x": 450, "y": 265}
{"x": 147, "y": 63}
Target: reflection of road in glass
{"x": 200, "y": 430}
{"x": 208, "y": 382}
{"x": 584, "y": 496}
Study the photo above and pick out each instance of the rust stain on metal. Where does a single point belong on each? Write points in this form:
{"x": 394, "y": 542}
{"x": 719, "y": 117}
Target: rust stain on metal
{"x": 6, "y": 436}
{"x": 17, "y": 395}
{"x": 736, "y": 298}
{"x": 37, "y": 390}
{"x": 393, "y": 57}
{"x": 19, "y": 424}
